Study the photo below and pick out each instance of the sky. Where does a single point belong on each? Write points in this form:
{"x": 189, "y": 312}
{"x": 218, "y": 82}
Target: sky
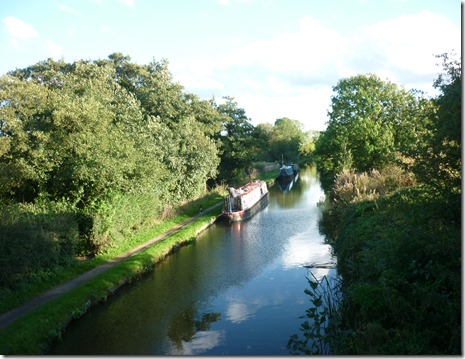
{"x": 276, "y": 58}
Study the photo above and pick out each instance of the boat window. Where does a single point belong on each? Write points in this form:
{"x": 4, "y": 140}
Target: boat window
{"x": 238, "y": 203}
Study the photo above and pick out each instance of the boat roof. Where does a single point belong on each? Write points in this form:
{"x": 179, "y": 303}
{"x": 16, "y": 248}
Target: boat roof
{"x": 249, "y": 187}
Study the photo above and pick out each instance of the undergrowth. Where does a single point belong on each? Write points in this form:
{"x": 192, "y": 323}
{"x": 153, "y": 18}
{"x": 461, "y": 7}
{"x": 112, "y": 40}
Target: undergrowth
{"x": 400, "y": 260}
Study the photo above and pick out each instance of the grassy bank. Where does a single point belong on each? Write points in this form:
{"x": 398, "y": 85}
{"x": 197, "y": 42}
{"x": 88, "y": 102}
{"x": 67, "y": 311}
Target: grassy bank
{"x": 33, "y": 333}
{"x": 45, "y": 280}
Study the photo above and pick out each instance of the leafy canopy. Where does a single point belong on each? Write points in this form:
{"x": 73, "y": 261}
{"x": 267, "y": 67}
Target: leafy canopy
{"x": 370, "y": 123}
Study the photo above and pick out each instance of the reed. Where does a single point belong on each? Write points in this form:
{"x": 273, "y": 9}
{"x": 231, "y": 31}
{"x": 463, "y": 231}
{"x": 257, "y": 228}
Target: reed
{"x": 350, "y": 186}
{"x": 321, "y": 333}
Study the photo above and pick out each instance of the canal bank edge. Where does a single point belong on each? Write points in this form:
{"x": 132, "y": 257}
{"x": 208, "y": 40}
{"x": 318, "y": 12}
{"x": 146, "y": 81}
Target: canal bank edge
{"x": 32, "y": 327}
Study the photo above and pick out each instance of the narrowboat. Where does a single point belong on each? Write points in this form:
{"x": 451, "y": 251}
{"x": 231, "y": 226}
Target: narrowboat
{"x": 288, "y": 173}
{"x": 243, "y": 202}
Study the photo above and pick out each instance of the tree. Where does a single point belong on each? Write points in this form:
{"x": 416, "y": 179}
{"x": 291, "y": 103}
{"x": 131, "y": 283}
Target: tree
{"x": 191, "y": 159}
{"x": 371, "y": 122}
{"x": 237, "y": 141}
{"x": 307, "y": 147}
{"x": 183, "y": 116}
{"x": 286, "y": 138}
{"x": 264, "y": 135}
{"x": 49, "y": 73}
{"x": 438, "y": 161}
{"x": 75, "y": 141}
{"x": 25, "y": 126}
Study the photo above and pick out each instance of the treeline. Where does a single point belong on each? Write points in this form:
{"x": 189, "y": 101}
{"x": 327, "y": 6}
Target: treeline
{"x": 91, "y": 151}
{"x": 390, "y": 160}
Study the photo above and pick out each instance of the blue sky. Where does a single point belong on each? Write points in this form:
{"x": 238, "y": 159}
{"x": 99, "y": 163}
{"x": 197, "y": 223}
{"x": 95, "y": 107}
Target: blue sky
{"x": 277, "y": 58}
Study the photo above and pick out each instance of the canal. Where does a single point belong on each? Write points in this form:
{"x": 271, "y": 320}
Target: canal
{"x": 238, "y": 290}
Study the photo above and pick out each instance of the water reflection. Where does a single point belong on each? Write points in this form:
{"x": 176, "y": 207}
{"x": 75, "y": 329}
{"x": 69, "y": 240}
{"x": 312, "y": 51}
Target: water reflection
{"x": 189, "y": 336}
{"x": 184, "y": 326}
{"x": 304, "y": 249}
{"x": 287, "y": 197}
{"x": 202, "y": 341}
{"x": 238, "y": 312}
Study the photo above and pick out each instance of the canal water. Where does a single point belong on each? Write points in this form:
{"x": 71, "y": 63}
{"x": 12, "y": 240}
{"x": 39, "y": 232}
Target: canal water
{"x": 238, "y": 290}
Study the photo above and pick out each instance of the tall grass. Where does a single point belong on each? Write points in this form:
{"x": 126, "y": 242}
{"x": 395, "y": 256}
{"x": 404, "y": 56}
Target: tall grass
{"x": 350, "y": 186}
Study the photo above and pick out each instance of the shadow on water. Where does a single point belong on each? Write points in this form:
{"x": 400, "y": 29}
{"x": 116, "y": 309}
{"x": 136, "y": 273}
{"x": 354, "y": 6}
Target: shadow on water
{"x": 237, "y": 290}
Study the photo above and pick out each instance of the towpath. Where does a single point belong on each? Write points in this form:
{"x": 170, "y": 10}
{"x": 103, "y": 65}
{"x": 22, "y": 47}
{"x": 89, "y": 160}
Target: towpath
{"x": 11, "y": 316}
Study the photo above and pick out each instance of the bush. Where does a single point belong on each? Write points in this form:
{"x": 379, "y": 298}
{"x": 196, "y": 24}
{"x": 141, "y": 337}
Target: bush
{"x": 400, "y": 260}
{"x": 112, "y": 220}
{"x": 34, "y": 239}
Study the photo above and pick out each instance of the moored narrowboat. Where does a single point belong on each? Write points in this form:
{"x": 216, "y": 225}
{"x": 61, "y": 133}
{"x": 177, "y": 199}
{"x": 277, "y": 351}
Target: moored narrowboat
{"x": 244, "y": 202}
{"x": 288, "y": 173}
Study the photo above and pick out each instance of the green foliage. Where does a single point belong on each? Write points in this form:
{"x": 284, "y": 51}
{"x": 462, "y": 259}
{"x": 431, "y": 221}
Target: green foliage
{"x": 91, "y": 152}
{"x": 35, "y": 239}
{"x": 75, "y": 144}
{"x": 192, "y": 158}
{"x": 400, "y": 260}
{"x": 286, "y": 138}
{"x": 307, "y": 147}
{"x": 182, "y": 130}
{"x": 33, "y": 335}
{"x": 439, "y": 160}
{"x": 38, "y": 282}
{"x": 398, "y": 244}
{"x": 370, "y": 123}
{"x": 319, "y": 334}
{"x": 119, "y": 144}
{"x": 24, "y": 163}
{"x": 285, "y": 141}
{"x": 237, "y": 143}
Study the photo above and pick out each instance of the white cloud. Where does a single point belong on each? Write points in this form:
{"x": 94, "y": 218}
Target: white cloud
{"x": 69, "y": 10}
{"x": 128, "y": 3}
{"x": 54, "y": 50}
{"x": 403, "y": 49}
{"x": 306, "y": 50}
{"x": 291, "y": 74}
{"x": 232, "y": 2}
{"x": 198, "y": 74}
{"x": 199, "y": 81}
{"x": 288, "y": 75}
{"x": 18, "y": 30}
{"x": 309, "y": 106}
{"x": 408, "y": 43}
